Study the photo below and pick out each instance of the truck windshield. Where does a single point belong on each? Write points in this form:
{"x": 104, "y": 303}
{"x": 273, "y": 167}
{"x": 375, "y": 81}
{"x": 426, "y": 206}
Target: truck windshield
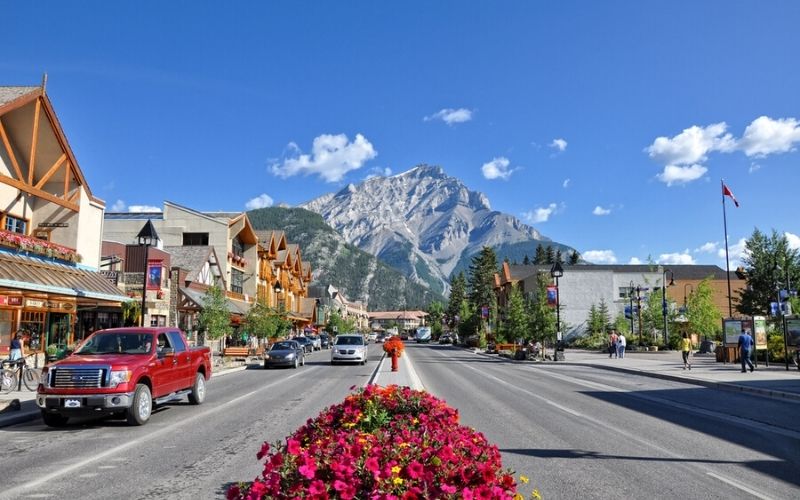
{"x": 118, "y": 343}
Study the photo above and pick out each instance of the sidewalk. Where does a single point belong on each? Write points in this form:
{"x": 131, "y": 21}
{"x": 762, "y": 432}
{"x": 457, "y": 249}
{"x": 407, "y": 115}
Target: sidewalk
{"x": 773, "y": 381}
{"x": 25, "y": 410}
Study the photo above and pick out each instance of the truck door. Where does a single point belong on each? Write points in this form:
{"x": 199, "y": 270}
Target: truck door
{"x": 184, "y": 371}
{"x": 164, "y": 372}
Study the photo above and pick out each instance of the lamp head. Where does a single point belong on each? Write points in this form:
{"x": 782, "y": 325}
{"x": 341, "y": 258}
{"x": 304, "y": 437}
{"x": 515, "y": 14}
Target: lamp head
{"x": 148, "y": 235}
{"x": 278, "y": 288}
{"x": 557, "y": 271}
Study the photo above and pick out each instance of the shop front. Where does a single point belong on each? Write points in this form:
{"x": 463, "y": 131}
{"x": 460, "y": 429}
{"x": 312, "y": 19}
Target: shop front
{"x": 43, "y": 300}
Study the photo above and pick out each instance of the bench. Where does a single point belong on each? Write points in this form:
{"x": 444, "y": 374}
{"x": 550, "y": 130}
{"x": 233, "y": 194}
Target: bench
{"x": 236, "y": 352}
{"x": 506, "y": 347}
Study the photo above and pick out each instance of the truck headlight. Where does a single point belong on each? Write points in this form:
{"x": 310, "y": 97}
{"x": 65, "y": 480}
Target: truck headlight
{"x": 119, "y": 377}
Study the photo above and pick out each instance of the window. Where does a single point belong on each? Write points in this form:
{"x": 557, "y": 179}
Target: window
{"x": 177, "y": 341}
{"x": 626, "y": 291}
{"x": 15, "y": 225}
{"x": 158, "y": 320}
{"x": 237, "y": 280}
{"x": 195, "y": 239}
{"x": 237, "y": 248}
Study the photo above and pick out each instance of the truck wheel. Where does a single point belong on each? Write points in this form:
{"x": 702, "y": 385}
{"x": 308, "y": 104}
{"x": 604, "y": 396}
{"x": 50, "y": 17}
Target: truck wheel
{"x": 198, "y": 394}
{"x": 142, "y": 407}
{"x": 54, "y": 419}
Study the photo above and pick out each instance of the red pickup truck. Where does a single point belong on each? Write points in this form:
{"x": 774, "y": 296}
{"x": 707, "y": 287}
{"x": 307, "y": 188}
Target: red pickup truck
{"x": 123, "y": 372}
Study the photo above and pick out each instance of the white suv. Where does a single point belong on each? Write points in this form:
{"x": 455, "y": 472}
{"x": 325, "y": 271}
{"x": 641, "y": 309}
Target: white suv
{"x": 349, "y": 348}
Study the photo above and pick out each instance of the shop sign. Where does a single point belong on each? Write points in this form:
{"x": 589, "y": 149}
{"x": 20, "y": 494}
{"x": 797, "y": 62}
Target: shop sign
{"x": 111, "y": 276}
{"x": 53, "y": 224}
{"x": 5, "y": 300}
{"x": 35, "y": 303}
{"x": 42, "y": 304}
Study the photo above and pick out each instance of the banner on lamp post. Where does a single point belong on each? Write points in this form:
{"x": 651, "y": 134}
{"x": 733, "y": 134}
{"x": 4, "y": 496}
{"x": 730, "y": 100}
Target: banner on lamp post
{"x": 551, "y": 296}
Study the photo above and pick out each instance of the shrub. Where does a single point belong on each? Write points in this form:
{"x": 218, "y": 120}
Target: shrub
{"x": 386, "y": 443}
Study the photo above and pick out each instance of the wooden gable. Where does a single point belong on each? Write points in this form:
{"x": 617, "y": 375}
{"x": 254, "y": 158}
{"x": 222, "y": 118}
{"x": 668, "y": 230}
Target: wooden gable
{"x": 34, "y": 146}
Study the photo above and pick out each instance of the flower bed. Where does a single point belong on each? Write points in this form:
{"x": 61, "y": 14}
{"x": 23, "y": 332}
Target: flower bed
{"x": 382, "y": 443}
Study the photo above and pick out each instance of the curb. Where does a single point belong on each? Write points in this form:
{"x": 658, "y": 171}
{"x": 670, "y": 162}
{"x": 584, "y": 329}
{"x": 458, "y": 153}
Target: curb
{"x": 375, "y": 372}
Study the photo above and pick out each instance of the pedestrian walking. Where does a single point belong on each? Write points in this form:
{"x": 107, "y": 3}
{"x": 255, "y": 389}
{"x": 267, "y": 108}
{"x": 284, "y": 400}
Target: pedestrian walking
{"x": 612, "y": 344}
{"x": 686, "y": 350}
{"x": 746, "y": 350}
{"x": 15, "y": 347}
{"x": 622, "y": 342}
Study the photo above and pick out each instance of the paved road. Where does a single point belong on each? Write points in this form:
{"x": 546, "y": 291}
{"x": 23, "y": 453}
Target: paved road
{"x": 580, "y": 432}
{"x": 184, "y": 451}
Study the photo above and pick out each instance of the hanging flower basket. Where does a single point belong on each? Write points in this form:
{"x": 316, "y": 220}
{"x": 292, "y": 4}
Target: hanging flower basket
{"x": 23, "y": 243}
{"x": 394, "y": 347}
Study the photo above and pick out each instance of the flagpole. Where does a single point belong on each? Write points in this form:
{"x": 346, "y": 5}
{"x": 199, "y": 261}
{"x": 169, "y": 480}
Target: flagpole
{"x": 727, "y": 260}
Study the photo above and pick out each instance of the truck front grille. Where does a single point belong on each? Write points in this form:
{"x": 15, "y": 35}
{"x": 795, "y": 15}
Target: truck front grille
{"x": 77, "y": 378}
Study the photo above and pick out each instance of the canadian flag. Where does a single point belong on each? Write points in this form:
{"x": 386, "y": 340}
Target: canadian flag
{"x": 727, "y": 192}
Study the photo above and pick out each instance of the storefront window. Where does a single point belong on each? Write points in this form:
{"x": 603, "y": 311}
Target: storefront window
{"x": 6, "y": 328}
{"x": 32, "y": 326}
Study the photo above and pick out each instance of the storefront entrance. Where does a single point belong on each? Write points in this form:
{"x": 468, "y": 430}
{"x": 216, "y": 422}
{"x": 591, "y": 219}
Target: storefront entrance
{"x": 59, "y": 330}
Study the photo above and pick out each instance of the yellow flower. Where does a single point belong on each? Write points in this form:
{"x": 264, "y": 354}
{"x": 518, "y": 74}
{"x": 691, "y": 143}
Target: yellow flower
{"x": 397, "y": 480}
{"x": 524, "y": 479}
{"x": 396, "y": 469}
{"x": 415, "y": 421}
{"x": 403, "y": 445}
{"x": 518, "y": 496}
{"x": 536, "y": 495}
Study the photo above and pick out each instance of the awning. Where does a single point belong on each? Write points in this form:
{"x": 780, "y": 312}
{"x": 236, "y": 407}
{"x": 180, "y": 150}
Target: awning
{"x": 237, "y": 307}
{"x": 38, "y": 274}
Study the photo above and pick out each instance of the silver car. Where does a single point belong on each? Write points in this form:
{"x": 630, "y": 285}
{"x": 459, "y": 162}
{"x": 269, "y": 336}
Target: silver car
{"x": 349, "y": 348}
{"x": 285, "y": 353}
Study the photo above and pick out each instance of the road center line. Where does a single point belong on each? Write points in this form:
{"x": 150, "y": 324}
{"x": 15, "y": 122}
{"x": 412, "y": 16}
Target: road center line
{"x": 17, "y": 490}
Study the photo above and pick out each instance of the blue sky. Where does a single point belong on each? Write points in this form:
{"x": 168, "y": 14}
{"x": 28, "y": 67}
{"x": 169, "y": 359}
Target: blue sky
{"x": 605, "y": 125}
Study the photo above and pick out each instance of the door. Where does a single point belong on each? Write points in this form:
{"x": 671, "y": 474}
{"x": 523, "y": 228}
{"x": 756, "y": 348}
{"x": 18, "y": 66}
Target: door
{"x": 165, "y": 380}
{"x": 59, "y": 331}
{"x": 184, "y": 369}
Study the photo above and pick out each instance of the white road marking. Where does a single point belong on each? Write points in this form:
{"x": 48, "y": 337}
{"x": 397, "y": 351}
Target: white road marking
{"x": 416, "y": 383}
{"x": 18, "y": 490}
{"x": 738, "y": 486}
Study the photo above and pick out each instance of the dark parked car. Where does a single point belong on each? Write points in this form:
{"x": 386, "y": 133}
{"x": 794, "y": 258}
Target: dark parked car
{"x": 445, "y": 339}
{"x": 324, "y": 341}
{"x": 306, "y": 343}
{"x": 285, "y": 353}
{"x": 380, "y": 338}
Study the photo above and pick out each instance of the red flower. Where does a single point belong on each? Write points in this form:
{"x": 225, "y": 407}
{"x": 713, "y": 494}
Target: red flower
{"x": 293, "y": 447}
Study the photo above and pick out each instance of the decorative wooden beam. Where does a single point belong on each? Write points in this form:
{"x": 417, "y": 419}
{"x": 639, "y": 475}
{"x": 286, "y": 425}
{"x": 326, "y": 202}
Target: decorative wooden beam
{"x": 75, "y": 195}
{"x": 22, "y": 186}
{"x": 52, "y": 171}
{"x": 34, "y": 141}
{"x": 10, "y": 151}
{"x": 67, "y": 173}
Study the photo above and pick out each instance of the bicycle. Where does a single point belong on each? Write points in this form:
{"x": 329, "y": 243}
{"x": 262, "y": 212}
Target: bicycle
{"x": 18, "y": 373}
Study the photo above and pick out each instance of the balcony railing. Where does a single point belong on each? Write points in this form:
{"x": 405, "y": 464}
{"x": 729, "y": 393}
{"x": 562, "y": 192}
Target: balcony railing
{"x": 29, "y": 244}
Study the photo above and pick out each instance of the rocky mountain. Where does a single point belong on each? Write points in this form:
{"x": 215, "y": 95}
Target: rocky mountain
{"x": 359, "y": 275}
{"x": 425, "y": 223}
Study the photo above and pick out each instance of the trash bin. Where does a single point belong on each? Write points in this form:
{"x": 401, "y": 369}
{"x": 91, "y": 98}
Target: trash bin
{"x": 720, "y": 353}
{"x": 559, "y": 353}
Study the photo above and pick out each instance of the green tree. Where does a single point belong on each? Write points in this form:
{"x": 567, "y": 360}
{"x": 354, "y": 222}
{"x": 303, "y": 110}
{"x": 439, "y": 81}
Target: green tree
{"x": 542, "y": 315}
{"x": 559, "y": 258}
{"x": 215, "y": 319}
{"x": 337, "y": 324}
{"x": 267, "y": 322}
{"x": 593, "y": 321}
{"x": 481, "y": 283}
{"x": 574, "y": 258}
{"x": 458, "y": 293}
{"x": 435, "y": 315}
{"x": 550, "y": 255}
{"x": 703, "y": 316}
{"x": 622, "y": 324}
{"x": 605, "y": 316}
{"x": 517, "y": 325}
{"x": 769, "y": 263}
{"x": 526, "y": 261}
{"x": 541, "y": 255}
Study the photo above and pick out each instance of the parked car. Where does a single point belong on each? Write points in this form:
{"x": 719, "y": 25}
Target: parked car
{"x": 316, "y": 342}
{"x": 371, "y": 336}
{"x": 445, "y": 339}
{"x": 324, "y": 341}
{"x": 349, "y": 348}
{"x": 380, "y": 338}
{"x": 423, "y": 335}
{"x": 306, "y": 343}
{"x": 285, "y": 353}
{"x": 123, "y": 372}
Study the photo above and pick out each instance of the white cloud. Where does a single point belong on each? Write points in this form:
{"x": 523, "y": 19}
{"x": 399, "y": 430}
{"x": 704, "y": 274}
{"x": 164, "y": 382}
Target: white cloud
{"x": 559, "y": 144}
{"x": 692, "y": 145}
{"x": 635, "y": 261}
{"x": 378, "y": 172}
{"x": 600, "y": 256}
{"x": 260, "y": 201}
{"x": 451, "y": 116}
{"x": 674, "y": 174}
{"x": 736, "y": 253}
{"x": 598, "y": 210}
{"x": 497, "y": 169}
{"x": 794, "y": 241}
{"x": 332, "y": 156}
{"x": 765, "y": 136}
{"x": 709, "y": 247}
{"x": 541, "y": 214}
{"x": 676, "y": 258}
{"x": 118, "y": 206}
{"x": 565, "y": 184}
{"x": 143, "y": 208}
{"x": 754, "y": 167}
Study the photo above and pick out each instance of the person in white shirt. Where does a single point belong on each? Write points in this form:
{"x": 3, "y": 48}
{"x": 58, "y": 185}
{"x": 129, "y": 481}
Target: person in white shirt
{"x": 621, "y": 343}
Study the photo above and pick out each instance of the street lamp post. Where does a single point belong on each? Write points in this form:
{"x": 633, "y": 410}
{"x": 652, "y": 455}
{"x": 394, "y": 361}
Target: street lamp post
{"x": 630, "y": 296}
{"x": 556, "y": 272}
{"x": 664, "y": 297}
{"x": 639, "y": 311}
{"x": 146, "y": 238}
{"x": 685, "y": 295}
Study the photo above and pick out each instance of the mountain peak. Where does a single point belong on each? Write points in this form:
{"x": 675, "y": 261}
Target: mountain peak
{"x": 424, "y": 170}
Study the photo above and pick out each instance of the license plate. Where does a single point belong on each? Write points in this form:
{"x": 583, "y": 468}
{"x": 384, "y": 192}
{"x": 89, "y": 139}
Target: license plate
{"x": 72, "y": 403}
